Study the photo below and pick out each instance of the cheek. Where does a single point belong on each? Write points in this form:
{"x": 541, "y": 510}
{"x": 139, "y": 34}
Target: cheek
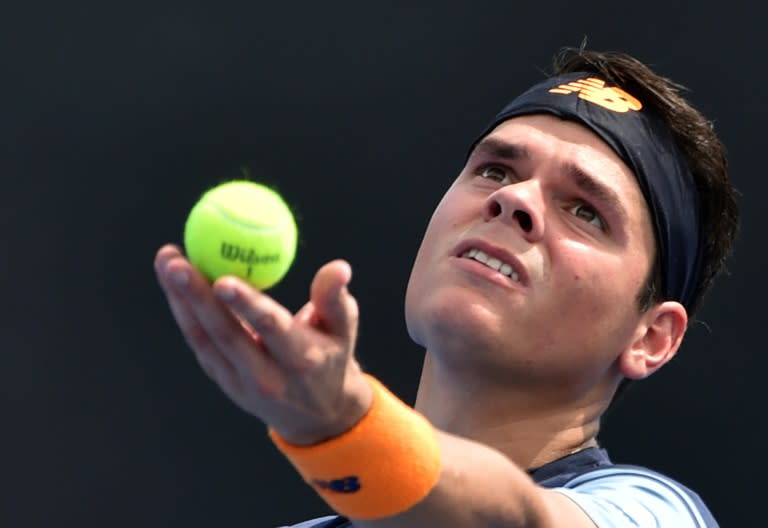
{"x": 440, "y": 231}
{"x": 446, "y": 214}
{"x": 439, "y": 238}
{"x": 594, "y": 295}
{"x": 600, "y": 285}
{"x": 420, "y": 273}
{"x": 594, "y": 315}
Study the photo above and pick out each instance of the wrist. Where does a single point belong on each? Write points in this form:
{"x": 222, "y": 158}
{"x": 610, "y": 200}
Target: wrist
{"x": 354, "y": 402}
{"x": 385, "y": 464}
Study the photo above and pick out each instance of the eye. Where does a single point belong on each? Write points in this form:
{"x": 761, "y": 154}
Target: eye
{"x": 495, "y": 173}
{"x": 587, "y": 213}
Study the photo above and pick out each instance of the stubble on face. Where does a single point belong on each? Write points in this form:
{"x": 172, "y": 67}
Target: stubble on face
{"x": 579, "y": 309}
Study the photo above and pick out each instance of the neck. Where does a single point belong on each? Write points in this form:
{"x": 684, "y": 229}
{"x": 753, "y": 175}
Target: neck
{"x": 531, "y": 428}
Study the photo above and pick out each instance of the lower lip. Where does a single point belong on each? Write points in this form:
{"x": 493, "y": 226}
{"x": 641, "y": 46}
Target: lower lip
{"x": 481, "y": 270}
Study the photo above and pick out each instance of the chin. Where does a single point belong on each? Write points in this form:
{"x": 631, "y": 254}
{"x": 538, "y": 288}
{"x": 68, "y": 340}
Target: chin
{"x": 452, "y": 317}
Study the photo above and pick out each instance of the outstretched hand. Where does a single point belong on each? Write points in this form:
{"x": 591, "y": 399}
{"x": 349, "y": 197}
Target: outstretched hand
{"x": 297, "y": 373}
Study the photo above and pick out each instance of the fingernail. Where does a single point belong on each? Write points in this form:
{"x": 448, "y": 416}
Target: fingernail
{"x": 343, "y": 291}
{"x": 180, "y": 278}
{"x": 226, "y": 292}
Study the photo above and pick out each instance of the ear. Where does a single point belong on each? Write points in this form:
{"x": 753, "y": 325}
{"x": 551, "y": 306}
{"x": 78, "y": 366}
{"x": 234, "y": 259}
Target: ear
{"x": 657, "y": 339}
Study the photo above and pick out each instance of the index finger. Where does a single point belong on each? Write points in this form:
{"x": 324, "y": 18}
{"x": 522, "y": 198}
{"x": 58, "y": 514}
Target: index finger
{"x": 274, "y": 324}
{"x": 210, "y": 328}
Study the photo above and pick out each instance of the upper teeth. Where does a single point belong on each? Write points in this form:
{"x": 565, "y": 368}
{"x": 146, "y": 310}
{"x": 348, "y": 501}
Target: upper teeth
{"x": 491, "y": 262}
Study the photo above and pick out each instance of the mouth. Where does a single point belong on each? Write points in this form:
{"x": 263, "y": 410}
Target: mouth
{"x": 493, "y": 258}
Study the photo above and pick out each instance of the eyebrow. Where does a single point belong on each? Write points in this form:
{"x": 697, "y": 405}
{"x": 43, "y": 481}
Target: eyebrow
{"x": 501, "y": 149}
{"x": 583, "y": 180}
{"x": 590, "y": 185}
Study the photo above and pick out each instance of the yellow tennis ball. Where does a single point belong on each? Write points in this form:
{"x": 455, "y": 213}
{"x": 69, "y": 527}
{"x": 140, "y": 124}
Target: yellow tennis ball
{"x": 241, "y": 228}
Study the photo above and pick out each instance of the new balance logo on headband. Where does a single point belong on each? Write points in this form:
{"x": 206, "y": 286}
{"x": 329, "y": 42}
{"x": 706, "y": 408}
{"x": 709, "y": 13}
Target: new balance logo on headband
{"x": 595, "y": 91}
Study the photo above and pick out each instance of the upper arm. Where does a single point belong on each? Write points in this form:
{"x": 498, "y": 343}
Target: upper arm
{"x": 558, "y": 510}
{"x": 619, "y": 498}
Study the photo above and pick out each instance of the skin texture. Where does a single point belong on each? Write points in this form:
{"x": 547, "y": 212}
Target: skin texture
{"x": 516, "y": 373}
{"x": 548, "y": 351}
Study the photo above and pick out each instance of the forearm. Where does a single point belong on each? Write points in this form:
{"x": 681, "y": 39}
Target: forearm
{"x": 294, "y": 373}
{"x": 393, "y": 469}
{"x": 477, "y": 487}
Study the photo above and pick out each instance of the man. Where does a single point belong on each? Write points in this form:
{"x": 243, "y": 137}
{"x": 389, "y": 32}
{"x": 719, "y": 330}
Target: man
{"x": 566, "y": 259}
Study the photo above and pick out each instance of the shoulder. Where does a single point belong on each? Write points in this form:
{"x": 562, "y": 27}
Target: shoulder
{"x": 619, "y": 495}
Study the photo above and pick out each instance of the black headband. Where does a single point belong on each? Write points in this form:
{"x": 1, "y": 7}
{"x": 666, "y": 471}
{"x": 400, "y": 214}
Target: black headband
{"x": 646, "y": 145}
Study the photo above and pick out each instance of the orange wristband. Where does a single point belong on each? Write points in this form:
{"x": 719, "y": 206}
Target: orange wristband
{"x": 388, "y": 462}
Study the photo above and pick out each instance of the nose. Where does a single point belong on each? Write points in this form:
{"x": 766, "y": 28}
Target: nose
{"x": 521, "y": 205}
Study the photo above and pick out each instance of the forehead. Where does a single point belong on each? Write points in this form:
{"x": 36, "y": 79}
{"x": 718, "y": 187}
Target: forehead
{"x": 545, "y": 134}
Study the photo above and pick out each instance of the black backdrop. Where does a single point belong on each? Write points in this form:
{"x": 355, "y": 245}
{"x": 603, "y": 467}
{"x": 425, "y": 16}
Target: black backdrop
{"x": 116, "y": 116}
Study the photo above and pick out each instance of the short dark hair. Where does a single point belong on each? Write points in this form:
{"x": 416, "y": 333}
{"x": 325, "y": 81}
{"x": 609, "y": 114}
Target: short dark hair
{"x": 695, "y": 138}
{"x": 704, "y": 152}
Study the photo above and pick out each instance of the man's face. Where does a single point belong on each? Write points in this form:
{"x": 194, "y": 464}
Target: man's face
{"x": 568, "y": 241}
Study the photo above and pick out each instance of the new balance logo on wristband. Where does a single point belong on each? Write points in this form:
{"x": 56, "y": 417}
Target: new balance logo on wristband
{"x": 342, "y": 485}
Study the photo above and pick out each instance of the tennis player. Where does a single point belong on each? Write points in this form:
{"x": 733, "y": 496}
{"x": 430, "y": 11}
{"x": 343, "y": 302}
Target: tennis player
{"x": 566, "y": 259}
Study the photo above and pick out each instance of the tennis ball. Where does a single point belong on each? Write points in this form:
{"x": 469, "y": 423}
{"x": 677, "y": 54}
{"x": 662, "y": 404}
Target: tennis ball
{"x": 241, "y": 228}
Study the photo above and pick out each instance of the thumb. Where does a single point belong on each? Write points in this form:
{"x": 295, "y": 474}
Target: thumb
{"x": 335, "y": 308}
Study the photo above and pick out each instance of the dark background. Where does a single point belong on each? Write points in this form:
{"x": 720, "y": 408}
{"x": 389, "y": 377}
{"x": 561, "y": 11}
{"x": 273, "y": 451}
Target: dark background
{"x": 116, "y": 116}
